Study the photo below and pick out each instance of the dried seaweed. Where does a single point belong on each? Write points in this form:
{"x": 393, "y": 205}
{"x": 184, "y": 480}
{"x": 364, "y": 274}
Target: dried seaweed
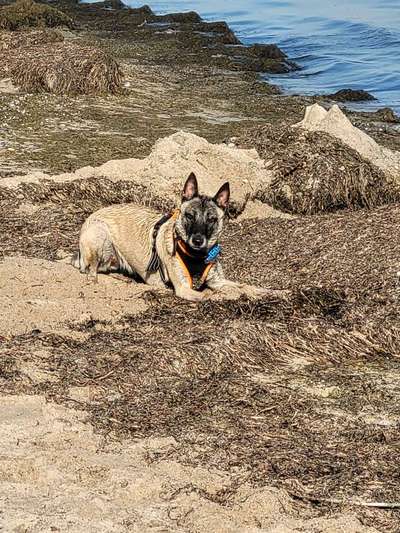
{"x": 41, "y": 61}
{"x": 317, "y": 173}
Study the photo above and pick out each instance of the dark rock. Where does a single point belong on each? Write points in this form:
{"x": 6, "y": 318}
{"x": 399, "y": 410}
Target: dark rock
{"x": 273, "y": 66}
{"x": 267, "y": 51}
{"x": 191, "y": 17}
{"x": 263, "y": 58}
{"x": 225, "y": 34}
{"x": 351, "y": 95}
{"x": 387, "y": 114}
{"x": 114, "y": 4}
{"x": 144, "y": 10}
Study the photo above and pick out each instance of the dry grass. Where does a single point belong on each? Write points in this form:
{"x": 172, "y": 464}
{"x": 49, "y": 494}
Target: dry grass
{"x": 26, "y": 13}
{"x": 317, "y": 173}
{"x": 41, "y": 61}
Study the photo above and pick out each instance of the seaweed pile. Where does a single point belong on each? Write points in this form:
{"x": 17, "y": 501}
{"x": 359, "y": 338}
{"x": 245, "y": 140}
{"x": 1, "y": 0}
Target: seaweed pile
{"x": 42, "y": 61}
{"x": 26, "y": 13}
{"x": 70, "y": 68}
{"x": 316, "y": 172}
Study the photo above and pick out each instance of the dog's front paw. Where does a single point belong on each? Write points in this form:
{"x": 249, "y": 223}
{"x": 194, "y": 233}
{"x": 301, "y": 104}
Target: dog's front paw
{"x": 189, "y": 294}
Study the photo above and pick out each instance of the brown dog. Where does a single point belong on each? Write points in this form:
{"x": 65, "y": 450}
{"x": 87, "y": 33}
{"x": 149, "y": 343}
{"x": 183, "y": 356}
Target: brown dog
{"x": 179, "y": 250}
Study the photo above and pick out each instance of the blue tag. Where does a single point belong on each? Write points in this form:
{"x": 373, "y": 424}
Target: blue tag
{"x": 213, "y": 254}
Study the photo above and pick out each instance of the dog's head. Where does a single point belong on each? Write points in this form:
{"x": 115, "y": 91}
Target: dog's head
{"x": 201, "y": 218}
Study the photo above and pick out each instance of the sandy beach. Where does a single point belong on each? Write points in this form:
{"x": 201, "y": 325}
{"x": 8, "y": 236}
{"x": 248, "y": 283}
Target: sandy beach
{"x": 127, "y": 409}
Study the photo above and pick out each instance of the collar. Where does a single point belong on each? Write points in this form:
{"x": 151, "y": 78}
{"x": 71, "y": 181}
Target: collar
{"x": 210, "y": 257}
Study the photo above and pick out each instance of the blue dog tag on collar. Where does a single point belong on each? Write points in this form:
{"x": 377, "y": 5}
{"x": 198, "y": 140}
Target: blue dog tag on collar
{"x": 213, "y": 254}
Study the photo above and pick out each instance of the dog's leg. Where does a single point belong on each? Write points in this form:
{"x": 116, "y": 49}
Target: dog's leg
{"x": 181, "y": 283}
{"x": 154, "y": 280}
{"x": 217, "y": 282}
{"x": 96, "y": 251}
{"x": 92, "y": 276}
{"x": 186, "y": 293}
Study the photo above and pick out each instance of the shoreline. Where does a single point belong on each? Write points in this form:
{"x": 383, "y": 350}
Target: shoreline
{"x": 221, "y": 92}
{"x": 250, "y": 32}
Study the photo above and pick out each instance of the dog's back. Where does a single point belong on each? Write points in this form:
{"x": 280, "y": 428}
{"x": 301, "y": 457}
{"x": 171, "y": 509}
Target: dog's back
{"x": 118, "y": 237}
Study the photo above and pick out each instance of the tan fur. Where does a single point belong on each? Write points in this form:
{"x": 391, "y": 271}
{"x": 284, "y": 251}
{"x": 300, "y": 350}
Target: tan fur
{"x": 121, "y": 235}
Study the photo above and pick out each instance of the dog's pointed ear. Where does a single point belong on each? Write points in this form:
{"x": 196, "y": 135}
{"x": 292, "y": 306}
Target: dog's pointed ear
{"x": 222, "y": 196}
{"x": 191, "y": 188}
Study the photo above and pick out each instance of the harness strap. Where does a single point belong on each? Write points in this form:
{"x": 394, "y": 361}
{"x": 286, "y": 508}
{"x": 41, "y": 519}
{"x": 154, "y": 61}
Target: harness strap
{"x": 208, "y": 261}
{"x": 180, "y": 250}
{"x": 185, "y": 269}
{"x": 183, "y": 248}
{"x": 205, "y": 273}
{"x": 154, "y": 264}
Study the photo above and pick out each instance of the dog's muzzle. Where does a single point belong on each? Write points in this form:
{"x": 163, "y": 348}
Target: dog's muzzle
{"x": 198, "y": 242}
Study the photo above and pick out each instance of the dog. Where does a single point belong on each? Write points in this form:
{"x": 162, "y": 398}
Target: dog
{"x": 179, "y": 250}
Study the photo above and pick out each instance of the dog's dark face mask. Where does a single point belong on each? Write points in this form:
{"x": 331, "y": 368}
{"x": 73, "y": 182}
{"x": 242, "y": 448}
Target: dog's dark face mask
{"x": 201, "y": 220}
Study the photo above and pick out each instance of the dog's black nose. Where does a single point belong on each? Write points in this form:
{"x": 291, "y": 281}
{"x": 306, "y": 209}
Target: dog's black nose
{"x": 198, "y": 240}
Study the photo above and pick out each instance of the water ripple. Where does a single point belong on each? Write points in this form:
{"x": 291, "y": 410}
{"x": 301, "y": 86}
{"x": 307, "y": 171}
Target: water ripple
{"x": 339, "y": 44}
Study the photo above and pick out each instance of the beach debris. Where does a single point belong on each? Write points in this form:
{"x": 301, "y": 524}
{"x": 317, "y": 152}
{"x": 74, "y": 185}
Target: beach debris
{"x": 335, "y": 123}
{"x": 26, "y": 13}
{"x": 41, "y": 61}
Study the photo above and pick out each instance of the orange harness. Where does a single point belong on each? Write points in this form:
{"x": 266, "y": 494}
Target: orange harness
{"x": 187, "y": 260}
{"x": 194, "y": 267}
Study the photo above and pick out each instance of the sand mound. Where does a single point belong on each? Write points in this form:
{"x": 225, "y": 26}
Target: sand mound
{"x": 315, "y": 172}
{"x": 299, "y": 172}
{"x": 335, "y": 123}
{"x": 163, "y": 172}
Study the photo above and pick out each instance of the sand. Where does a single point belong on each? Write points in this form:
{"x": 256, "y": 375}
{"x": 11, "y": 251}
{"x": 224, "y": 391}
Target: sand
{"x": 56, "y": 475}
{"x": 44, "y": 295}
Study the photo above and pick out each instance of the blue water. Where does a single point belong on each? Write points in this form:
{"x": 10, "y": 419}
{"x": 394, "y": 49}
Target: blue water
{"x": 340, "y": 44}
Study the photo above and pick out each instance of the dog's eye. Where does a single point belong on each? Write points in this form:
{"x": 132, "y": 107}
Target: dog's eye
{"x": 189, "y": 216}
{"x": 212, "y": 220}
